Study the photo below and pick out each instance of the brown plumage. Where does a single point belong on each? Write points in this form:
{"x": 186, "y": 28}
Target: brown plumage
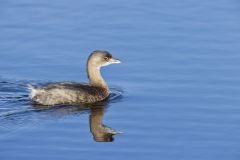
{"x": 77, "y": 93}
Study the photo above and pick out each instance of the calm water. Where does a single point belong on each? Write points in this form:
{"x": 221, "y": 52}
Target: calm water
{"x": 175, "y": 96}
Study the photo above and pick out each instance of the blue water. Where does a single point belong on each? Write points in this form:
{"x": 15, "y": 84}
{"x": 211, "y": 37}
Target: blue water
{"x": 175, "y": 96}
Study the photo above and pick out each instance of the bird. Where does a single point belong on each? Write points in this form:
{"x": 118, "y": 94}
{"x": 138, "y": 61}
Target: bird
{"x": 74, "y": 93}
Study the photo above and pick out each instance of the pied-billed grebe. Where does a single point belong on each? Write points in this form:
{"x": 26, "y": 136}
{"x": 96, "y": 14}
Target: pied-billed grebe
{"x": 77, "y": 93}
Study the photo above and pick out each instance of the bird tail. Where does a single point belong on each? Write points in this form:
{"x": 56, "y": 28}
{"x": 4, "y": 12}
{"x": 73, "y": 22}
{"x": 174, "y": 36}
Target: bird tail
{"x": 32, "y": 90}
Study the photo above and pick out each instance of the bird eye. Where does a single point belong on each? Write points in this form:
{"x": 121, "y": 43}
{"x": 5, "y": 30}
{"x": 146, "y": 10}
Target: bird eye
{"x": 106, "y": 58}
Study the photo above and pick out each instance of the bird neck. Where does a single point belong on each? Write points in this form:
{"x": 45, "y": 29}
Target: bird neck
{"x": 95, "y": 77}
{"x": 95, "y": 121}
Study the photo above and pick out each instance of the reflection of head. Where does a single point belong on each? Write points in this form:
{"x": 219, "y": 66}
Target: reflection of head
{"x": 101, "y": 132}
{"x": 104, "y": 138}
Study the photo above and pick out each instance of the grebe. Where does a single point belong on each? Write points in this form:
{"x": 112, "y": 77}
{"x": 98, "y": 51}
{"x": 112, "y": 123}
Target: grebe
{"x": 76, "y": 93}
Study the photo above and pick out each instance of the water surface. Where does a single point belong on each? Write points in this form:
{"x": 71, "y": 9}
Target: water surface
{"x": 175, "y": 96}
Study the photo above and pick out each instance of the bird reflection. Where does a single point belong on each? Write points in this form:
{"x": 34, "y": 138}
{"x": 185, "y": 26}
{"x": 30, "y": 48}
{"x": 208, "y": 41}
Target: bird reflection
{"x": 100, "y": 132}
